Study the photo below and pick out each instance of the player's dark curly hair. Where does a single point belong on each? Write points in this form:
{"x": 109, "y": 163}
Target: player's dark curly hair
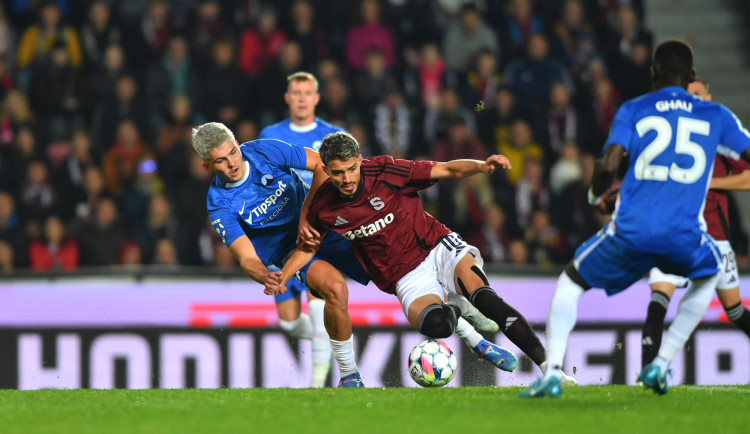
{"x": 673, "y": 61}
{"x": 338, "y": 146}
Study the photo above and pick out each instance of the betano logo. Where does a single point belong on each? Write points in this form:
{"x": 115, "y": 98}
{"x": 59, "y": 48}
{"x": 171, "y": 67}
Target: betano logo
{"x": 366, "y": 231}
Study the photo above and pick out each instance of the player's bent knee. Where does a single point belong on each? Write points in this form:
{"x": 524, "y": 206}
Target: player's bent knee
{"x": 436, "y": 321}
{"x": 335, "y": 291}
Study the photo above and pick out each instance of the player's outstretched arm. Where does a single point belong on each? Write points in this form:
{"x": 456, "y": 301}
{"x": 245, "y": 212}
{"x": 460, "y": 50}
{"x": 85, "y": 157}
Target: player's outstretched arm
{"x": 466, "y": 168}
{"x": 740, "y": 181}
{"x": 242, "y": 249}
{"x": 306, "y": 234}
{"x": 275, "y": 283}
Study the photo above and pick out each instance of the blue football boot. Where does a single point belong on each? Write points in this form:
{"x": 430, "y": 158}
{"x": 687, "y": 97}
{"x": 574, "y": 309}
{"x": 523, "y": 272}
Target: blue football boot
{"x": 498, "y": 356}
{"x": 352, "y": 380}
{"x": 652, "y": 378}
{"x": 543, "y": 388}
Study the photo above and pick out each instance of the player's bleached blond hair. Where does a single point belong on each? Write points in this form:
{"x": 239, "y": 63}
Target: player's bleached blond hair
{"x": 302, "y": 76}
{"x": 338, "y": 146}
{"x": 209, "y": 136}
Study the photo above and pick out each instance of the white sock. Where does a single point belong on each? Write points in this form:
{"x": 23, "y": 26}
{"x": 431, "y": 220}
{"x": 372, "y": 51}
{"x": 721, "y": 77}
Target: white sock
{"x": 300, "y": 328}
{"x": 563, "y": 313}
{"x": 692, "y": 308}
{"x": 465, "y": 331}
{"x": 321, "y": 346}
{"x": 662, "y": 363}
{"x": 343, "y": 352}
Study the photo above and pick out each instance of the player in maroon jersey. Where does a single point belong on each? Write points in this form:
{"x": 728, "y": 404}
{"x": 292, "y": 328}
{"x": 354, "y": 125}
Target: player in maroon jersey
{"x": 374, "y": 204}
{"x": 716, "y": 216}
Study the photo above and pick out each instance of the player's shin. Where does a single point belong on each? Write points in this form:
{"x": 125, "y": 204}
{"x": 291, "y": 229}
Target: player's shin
{"x": 740, "y": 316}
{"x": 511, "y": 322}
{"x": 300, "y": 328}
{"x": 563, "y": 313}
{"x": 653, "y": 327}
{"x": 692, "y": 308}
{"x": 321, "y": 346}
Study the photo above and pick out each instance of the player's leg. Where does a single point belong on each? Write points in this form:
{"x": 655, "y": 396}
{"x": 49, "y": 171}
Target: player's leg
{"x": 428, "y": 314}
{"x": 737, "y": 313}
{"x": 704, "y": 265}
{"x": 470, "y": 280}
{"x": 728, "y": 290}
{"x": 321, "y": 345}
{"x": 330, "y": 284}
{"x": 292, "y": 320}
{"x": 662, "y": 287}
{"x": 420, "y": 294}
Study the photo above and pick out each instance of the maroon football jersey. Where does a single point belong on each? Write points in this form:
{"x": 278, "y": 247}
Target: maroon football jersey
{"x": 716, "y": 211}
{"x": 385, "y": 221}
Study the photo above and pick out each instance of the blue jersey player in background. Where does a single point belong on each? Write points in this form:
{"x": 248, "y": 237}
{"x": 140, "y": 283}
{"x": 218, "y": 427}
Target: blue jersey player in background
{"x": 303, "y": 128}
{"x": 254, "y": 204}
{"x": 671, "y": 138}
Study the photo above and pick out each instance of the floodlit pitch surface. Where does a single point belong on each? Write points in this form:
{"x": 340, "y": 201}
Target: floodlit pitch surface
{"x": 590, "y": 409}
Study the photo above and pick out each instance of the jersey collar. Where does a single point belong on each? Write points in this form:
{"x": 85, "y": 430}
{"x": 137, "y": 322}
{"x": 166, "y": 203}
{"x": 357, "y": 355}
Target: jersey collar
{"x": 305, "y": 129}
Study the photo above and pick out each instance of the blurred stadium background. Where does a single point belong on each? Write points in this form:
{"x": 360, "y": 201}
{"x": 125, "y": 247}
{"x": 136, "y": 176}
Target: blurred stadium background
{"x": 110, "y": 274}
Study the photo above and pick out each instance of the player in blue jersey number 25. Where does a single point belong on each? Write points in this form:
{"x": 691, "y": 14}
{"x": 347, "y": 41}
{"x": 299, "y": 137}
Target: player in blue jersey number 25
{"x": 671, "y": 138}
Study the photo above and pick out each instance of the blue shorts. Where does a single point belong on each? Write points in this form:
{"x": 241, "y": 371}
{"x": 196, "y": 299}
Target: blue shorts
{"x": 609, "y": 262}
{"x": 337, "y": 251}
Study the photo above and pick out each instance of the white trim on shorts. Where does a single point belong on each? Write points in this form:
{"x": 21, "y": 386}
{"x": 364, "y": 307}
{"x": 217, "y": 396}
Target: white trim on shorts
{"x": 728, "y": 276}
{"x": 435, "y": 275}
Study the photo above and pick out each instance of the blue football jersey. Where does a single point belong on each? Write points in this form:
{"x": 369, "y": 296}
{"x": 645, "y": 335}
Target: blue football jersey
{"x": 671, "y": 138}
{"x": 310, "y": 136}
{"x": 266, "y": 204}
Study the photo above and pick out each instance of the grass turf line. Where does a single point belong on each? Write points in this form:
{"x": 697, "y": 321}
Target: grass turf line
{"x": 595, "y": 409}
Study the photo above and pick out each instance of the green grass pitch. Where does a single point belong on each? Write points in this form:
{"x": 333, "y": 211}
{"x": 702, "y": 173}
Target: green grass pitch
{"x": 585, "y": 409}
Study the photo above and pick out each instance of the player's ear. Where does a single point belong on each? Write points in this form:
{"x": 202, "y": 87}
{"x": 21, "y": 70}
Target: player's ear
{"x": 325, "y": 170}
{"x": 205, "y": 166}
{"x": 359, "y": 159}
{"x": 286, "y": 98}
{"x": 317, "y": 99}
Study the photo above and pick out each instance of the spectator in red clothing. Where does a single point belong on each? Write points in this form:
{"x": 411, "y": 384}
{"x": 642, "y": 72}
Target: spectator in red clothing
{"x": 429, "y": 74}
{"x": 55, "y": 250}
{"x": 258, "y": 47}
{"x": 370, "y": 33}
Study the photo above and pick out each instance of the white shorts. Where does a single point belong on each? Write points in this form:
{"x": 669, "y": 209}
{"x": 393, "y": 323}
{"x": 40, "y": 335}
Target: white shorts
{"x": 435, "y": 275}
{"x": 728, "y": 276}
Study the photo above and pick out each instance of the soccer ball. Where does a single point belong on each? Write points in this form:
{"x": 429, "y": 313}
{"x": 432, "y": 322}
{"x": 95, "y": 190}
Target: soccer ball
{"x": 432, "y": 363}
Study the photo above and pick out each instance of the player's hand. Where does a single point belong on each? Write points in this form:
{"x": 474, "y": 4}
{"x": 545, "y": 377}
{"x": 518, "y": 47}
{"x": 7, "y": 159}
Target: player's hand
{"x": 609, "y": 199}
{"x": 307, "y": 234}
{"x": 273, "y": 284}
{"x": 495, "y": 161}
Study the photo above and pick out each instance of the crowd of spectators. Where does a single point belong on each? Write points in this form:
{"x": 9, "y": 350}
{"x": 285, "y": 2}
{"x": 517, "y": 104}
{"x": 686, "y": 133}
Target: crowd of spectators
{"x": 98, "y": 99}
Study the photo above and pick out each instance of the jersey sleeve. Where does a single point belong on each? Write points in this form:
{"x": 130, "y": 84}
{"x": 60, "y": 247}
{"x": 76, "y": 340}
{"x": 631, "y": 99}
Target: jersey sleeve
{"x": 733, "y": 137}
{"x": 282, "y": 154}
{"x": 622, "y": 129}
{"x": 226, "y": 223}
{"x": 317, "y": 205}
{"x": 405, "y": 176}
